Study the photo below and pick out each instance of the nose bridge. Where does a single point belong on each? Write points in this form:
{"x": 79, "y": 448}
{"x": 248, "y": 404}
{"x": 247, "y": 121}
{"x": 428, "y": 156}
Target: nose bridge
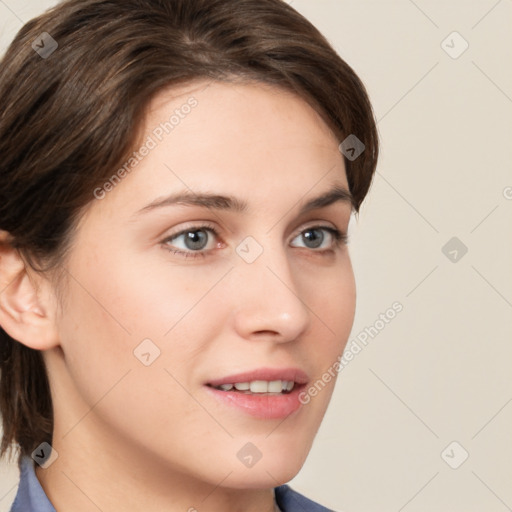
{"x": 268, "y": 298}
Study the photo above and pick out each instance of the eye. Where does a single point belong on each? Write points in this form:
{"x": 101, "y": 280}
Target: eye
{"x": 193, "y": 241}
{"x": 197, "y": 241}
{"x": 321, "y": 237}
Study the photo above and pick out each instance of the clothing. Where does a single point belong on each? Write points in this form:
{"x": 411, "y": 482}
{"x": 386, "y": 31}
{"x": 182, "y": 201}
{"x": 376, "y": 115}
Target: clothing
{"x": 32, "y": 498}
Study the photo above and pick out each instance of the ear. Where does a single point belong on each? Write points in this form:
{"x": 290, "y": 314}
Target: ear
{"x": 27, "y": 305}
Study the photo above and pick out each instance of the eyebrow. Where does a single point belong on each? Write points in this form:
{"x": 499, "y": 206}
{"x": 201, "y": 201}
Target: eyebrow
{"x": 220, "y": 202}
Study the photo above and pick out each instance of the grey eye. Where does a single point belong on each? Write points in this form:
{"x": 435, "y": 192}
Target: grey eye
{"x": 314, "y": 238}
{"x": 195, "y": 240}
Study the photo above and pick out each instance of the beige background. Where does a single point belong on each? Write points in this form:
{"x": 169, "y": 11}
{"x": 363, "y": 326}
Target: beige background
{"x": 440, "y": 370}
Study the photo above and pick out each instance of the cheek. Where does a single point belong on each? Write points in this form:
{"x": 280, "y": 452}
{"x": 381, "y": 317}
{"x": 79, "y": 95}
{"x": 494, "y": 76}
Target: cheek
{"x": 101, "y": 326}
{"x": 131, "y": 298}
{"x": 331, "y": 298}
{"x": 96, "y": 331}
{"x": 111, "y": 312}
{"x": 338, "y": 303}
{"x": 95, "y": 341}
{"x": 333, "y": 308}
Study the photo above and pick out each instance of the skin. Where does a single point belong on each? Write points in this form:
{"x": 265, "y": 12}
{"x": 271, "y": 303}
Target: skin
{"x": 169, "y": 444}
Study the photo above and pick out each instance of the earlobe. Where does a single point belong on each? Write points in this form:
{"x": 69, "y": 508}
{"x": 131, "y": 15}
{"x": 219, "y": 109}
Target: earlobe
{"x": 26, "y": 313}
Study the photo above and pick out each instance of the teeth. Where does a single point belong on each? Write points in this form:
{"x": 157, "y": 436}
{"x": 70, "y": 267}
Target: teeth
{"x": 260, "y": 386}
{"x": 275, "y": 386}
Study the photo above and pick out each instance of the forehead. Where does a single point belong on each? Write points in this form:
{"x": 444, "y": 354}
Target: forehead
{"x": 249, "y": 140}
{"x": 250, "y": 113}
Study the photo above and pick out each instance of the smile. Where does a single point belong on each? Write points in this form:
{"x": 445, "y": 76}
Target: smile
{"x": 265, "y": 393}
{"x": 259, "y": 387}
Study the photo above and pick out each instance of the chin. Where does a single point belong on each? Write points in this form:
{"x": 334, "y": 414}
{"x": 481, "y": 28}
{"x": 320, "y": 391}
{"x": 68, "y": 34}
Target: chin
{"x": 263, "y": 478}
{"x": 274, "y": 468}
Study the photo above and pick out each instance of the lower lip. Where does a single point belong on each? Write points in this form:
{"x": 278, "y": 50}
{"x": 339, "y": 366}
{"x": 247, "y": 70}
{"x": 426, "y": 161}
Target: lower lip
{"x": 261, "y": 405}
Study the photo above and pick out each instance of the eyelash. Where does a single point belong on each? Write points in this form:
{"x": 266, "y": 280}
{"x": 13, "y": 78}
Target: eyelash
{"x": 339, "y": 239}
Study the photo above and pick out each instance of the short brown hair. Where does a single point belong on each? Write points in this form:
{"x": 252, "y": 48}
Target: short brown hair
{"x": 68, "y": 118}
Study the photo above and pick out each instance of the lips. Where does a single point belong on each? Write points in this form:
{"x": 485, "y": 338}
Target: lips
{"x": 267, "y": 393}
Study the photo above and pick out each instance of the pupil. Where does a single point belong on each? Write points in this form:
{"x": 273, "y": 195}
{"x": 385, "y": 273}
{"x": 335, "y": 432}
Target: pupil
{"x": 314, "y": 236}
{"x": 195, "y": 240}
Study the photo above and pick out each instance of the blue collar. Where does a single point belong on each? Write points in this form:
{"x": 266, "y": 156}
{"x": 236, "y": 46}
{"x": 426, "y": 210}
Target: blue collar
{"x": 32, "y": 498}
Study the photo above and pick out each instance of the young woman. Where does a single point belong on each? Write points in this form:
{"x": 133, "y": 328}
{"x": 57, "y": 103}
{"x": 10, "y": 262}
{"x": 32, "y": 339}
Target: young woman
{"x": 176, "y": 183}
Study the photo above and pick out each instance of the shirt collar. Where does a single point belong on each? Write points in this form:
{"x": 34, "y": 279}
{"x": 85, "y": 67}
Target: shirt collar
{"x": 30, "y": 496}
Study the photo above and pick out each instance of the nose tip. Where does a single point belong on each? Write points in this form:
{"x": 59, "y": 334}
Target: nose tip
{"x": 269, "y": 305}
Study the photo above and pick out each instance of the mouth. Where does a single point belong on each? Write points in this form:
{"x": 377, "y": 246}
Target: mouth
{"x": 264, "y": 393}
{"x": 259, "y": 387}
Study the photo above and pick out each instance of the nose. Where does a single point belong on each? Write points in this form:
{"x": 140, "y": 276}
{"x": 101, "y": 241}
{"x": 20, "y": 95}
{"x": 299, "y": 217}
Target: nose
{"x": 267, "y": 301}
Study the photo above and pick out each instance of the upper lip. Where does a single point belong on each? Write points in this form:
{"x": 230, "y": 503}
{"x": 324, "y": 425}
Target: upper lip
{"x": 269, "y": 374}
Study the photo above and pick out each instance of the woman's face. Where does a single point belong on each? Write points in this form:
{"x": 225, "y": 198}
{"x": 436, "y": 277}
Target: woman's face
{"x": 167, "y": 298}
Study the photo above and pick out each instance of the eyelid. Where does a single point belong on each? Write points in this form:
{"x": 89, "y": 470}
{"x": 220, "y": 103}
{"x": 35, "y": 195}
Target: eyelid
{"x": 192, "y": 227}
{"x": 312, "y": 224}
{"x": 340, "y": 234}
